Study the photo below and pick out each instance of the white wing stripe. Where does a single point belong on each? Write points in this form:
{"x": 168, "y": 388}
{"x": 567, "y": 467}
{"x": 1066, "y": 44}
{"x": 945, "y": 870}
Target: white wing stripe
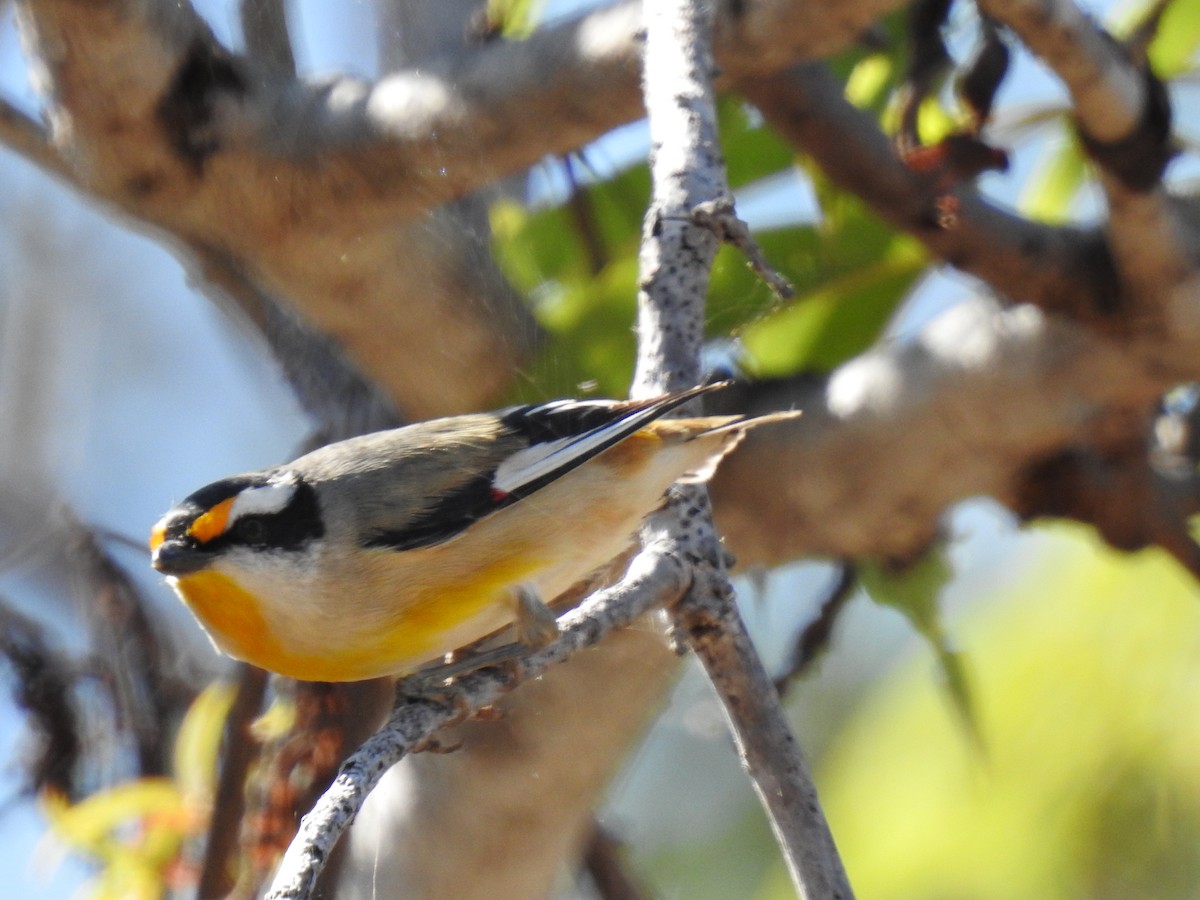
{"x": 540, "y": 460}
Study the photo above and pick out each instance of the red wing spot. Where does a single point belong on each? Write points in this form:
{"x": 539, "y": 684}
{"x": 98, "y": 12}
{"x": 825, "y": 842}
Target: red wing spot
{"x": 498, "y": 496}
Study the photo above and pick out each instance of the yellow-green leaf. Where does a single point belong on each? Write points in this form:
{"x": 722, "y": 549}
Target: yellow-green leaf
{"x": 197, "y": 745}
{"x": 1054, "y": 185}
{"x": 915, "y": 592}
{"x": 89, "y": 824}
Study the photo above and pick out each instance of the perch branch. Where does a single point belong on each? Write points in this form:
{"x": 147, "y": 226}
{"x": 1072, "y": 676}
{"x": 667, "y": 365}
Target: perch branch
{"x": 679, "y": 243}
{"x": 653, "y": 579}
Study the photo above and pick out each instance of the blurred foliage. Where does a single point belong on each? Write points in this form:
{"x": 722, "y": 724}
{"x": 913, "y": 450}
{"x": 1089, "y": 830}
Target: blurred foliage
{"x": 1087, "y": 681}
{"x": 136, "y": 832}
{"x": 915, "y": 592}
{"x": 514, "y": 19}
{"x": 722, "y": 866}
{"x": 1063, "y": 173}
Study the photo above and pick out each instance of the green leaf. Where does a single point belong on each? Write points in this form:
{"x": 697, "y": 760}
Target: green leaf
{"x": 869, "y": 80}
{"x": 1176, "y": 40}
{"x": 1054, "y": 185}
{"x": 516, "y": 19}
{"x": 533, "y": 247}
{"x": 914, "y": 592}
{"x": 89, "y": 825}
{"x": 751, "y": 150}
{"x": 590, "y": 324}
{"x": 837, "y": 318}
{"x": 198, "y": 743}
{"x": 889, "y": 42}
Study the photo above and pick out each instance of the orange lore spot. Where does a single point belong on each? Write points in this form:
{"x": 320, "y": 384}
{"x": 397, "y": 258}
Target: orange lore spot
{"x": 157, "y": 535}
{"x": 212, "y": 523}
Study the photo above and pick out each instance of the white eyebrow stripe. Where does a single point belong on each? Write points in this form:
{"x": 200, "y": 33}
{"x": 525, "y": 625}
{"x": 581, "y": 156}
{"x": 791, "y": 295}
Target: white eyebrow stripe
{"x": 267, "y": 499}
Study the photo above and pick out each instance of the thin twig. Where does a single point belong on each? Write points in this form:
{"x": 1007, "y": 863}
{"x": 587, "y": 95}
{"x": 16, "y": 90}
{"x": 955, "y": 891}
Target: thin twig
{"x": 766, "y": 745}
{"x": 265, "y": 32}
{"x": 718, "y": 215}
{"x": 240, "y": 750}
{"x": 814, "y": 638}
{"x": 677, "y": 253}
{"x": 583, "y": 214}
{"x": 655, "y": 577}
{"x": 129, "y": 650}
{"x": 26, "y": 136}
{"x": 607, "y": 868}
{"x": 42, "y": 688}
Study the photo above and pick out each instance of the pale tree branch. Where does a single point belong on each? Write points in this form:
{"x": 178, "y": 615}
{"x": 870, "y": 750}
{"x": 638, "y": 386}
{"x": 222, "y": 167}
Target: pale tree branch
{"x": 654, "y": 578}
{"x": 546, "y": 758}
{"x": 1124, "y": 118}
{"x": 678, "y": 250}
{"x": 216, "y": 150}
{"x": 962, "y": 409}
{"x": 1108, "y": 92}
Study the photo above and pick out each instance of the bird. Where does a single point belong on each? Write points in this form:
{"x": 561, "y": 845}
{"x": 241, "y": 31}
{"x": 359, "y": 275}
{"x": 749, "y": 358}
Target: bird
{"x": 380, "y": 555}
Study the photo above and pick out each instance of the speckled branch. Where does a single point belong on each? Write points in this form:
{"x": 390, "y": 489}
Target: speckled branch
{"x": 654, "y": 578}
{"x": 678, "y": 249}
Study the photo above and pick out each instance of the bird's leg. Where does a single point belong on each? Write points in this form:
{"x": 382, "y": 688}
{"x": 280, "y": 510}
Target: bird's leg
{"x": 537, "y": 625}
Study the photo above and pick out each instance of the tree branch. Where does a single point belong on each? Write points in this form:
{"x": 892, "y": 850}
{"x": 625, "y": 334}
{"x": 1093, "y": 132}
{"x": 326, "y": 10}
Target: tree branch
{"x": 1109, "y": 94}
{"x": 25, "y": 136}
{"x": 245, "y": 140}
{"x": 678, "y": 250}
{"x": 216, "y": 877}
{"x": 1061, "y": 269}
{"x": 1124, "y": 117}
{"x": 654, "y": 578}
{"x": 962, "y": 410}
{"x": 265, "y": 31}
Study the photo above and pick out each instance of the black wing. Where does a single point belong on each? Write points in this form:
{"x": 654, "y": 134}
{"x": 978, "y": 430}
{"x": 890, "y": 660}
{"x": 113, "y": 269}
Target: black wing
{"x": 557, "y": 437}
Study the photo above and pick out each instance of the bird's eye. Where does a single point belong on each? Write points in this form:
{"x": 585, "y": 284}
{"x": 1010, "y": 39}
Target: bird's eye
{"x": 252, "y": 530}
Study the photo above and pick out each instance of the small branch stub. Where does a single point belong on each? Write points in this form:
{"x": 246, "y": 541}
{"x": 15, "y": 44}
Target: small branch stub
{"x": 718, "y": 215}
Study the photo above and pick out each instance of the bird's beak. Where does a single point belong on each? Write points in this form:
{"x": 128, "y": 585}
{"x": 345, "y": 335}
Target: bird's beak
{"x": 175, "y": 557}
{"x": 173, "y": 553}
